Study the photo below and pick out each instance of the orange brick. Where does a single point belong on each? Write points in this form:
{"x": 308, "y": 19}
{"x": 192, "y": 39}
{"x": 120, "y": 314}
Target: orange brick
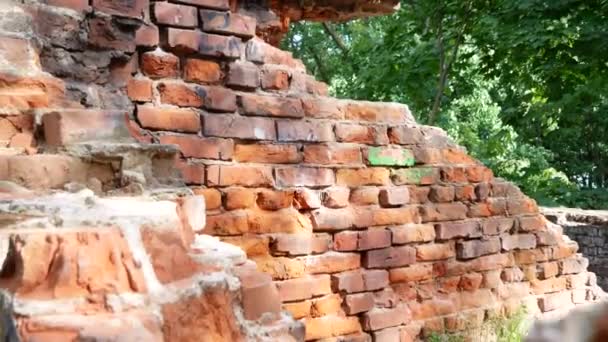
{"x": 201, "y": 71}
{"x": 267, "y": 153}
{"x": 239, "y": 198}
{"x": 360, "y": 177}
{"x": 213, "y": 198}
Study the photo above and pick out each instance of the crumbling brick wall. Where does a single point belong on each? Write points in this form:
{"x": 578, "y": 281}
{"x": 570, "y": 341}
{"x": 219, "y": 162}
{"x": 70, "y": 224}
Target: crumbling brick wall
{"x": 372, "y": 226}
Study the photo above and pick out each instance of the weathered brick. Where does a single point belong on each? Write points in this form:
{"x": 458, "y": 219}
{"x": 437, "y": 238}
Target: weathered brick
{"x": 451, "y": 230}
{"x": 258, "y": 295}
{"x": 295, "y": 289}
{"x": 377, "y": 319}
{"x": 555, "y": 301}
{"x": 497, "y": 225}
{"x": 336, "y": 197}
{"x": 364, "y": 196}
{"x": 371, "y": 135}
{"x": 267, "y": 153}
{"x": 389, "y": 156}
{"x": 159, "y": 64}
{"x": 275, "y": 78}
{"x": 280, "y": 268}
{"x": 389, "y": 257}
{"x": 413, "y": 273}
{"x": 298, "y": 309}
{"x": 480, "y": 210}
{"x": 180, "y": 94}
{"x": 573, "y": 265}
{"x": 392, "y": 216}
{"x": 518, "y": 241}
{"x": 196, "y": 147}
{"x": 287, "y": 220}
{"x": 75, "y": 126}
{"x": 147, "y": 35}
{"x": 357, "y": 303}
{"x": 213, "y": 198}
{"x": 477, "y": 174}
{"x": 435, "y": 251}
{"x": 77, "y": 5}
{"x": 250, "y": 176}
{"x": 201, "y": 71}
{"x": 192, "y": 173}
{"x": 549, "y": 285}
{"x": 392, "y": 197}
{"x": 305, "y": 199}
{"x": 304, "y": 176}
{"x": 228, "y": 223}
{"x": 175, "y": 15}
{"x": 228, "y": 23}
{"x": 283, "y": 107}
{"x": 233, "y": 126}
{"x": 169, "y": 119}
{"x": 239, "y": 198}
{"x": 465, "y": 193}
{"x": 332, "y": 154}
{"x": 419, "y": 194}
{"x": 505, "y": 189}
{"x": 349, "y": 282}
{"x": 218, "y": 99}
{"x": 531, "y": 223}
{"x": 377, "y": 112}
{"x": 443, "y": 212}
{"x": 364, "y": 240}
{"x": 470, "y": 281}
{"x": 321, "y": 243}
{"x": 404, "y": 135}
{"x": 547, "y": 270}
{"x": 214, "y": 4}
{"x": 548, "y": 238}
{"x": 132, "y": 9}
{"x": 425, "y": 155}
{"x": 513, "y": 274}
{"x": 416, "y": 175}
{"x": 251, "y": 244}
{"x": 243, "y": 75}
{"x": 139, "y": 89}
{"x": 289, "y": 244}
{"x": 441, "y": 194}
{"x": 104, "y": 33}
{"x": 261, "y": 52}
{"x": 433, "y": 308}
{"x": 330, "y": 326}
{"x": 219, "y": 46}
{"x": 324, "y": 108}
{"x": 476, "y": 248}
{"x": 274, "y": 199}
{"x": 332, "y": 262}
{"x": 413, "y": 233}
{"x": 359, "y": 177}
{"x": 326, "y": 305}
{"x": 531, "y": 256}
{"x": 482, "y": 191}
{"x": 186, "y": 41}
{"x": 308, "y": 131}
{"x": 522, "y": 205}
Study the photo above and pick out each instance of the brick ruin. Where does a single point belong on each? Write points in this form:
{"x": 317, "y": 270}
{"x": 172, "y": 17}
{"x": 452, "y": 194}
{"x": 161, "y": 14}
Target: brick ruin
{"x": 142, "y": 141}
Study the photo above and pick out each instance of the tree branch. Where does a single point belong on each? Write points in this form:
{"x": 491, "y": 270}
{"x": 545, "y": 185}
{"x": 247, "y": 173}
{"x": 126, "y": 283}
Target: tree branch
{"x": 336, "y": 38}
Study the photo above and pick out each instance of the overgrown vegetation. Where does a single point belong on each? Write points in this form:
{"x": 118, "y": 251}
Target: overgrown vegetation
{"x": 523, "y": 84}
{"x": 496, "y": 329}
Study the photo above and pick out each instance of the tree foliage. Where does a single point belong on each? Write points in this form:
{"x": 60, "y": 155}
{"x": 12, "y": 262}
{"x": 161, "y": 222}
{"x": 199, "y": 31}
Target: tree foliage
{"x": 523, "y": 84}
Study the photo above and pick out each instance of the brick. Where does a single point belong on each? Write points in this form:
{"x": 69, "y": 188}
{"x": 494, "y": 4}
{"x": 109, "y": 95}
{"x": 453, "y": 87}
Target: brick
{"x": 392, "y": 197}
{"x": 416, "y": 175}
{"x": 524, "y": 257}
{"x": 477, "y": 174}
{"x": 326, "y": 305}
{"x": 555, "y": 301}
{"x": 419, "y": 194}
{"x": 304, "y": 176}
{"x": 181, "y": 94}
{"x": 577, "y": 281}
{"x": 371, "y": 135}
{"x": 443, "y": 212}
{"x": 295, "y": 289}
{"x": 169, "y": 119}
{"x": 298, "y": 309}
{"x": 131, "y": 9}
{"x": 513, "y": 274}
{"x": 441, "y": 194}
{"x": 267, "y": 153}
{"x": 451, "y": 230}
{"x": 249, "y": 176}
{"x": 195, "y": 147}
{"x": 482, "y": 191}
{"x": 549, "y": 238}
{"x": 404, "y": 135}
{"x": 228, "y": 23}
{"x": 147, "y": 36}
{"x": 531, "y": 223}
{"x": 547, "y": 270}
{"x": 329, "y": 154}
{"x": 307, "y": 131}
{"x": 358, "y": 303}
{"x": 390, "y": 216}
{"x": 470, "y": 281}
{"x": 218, "y": 99}
{"x": 213, "y": 198}
{"x": 305, "y": 199}
{"x": 330, "y": 326}
{"x": 201, "y": 71}
{"x": 280, "y": 268}
{"x": 251, "y": 244}
{"x": 243, "y": 75}
{"x": 464, "y": 193}
{"x": 505, "y": 189}
{"x": 364, "y": 240}
{"x": 275, "y": 78}
{"x": 518, "y": 241}
{"x": 476, "y": 248}
{"x": 239, "y": 198}
{"x": 389, "y": 156}
{"x": 413, "y": 273}
{"x": 389, "y": 257}
{"x": 261, "y": 52}
{"x": 483, "y": 263}
{"x": 214, "y": 45}
{"x": 435, "y": 251}
{"x": 454, "y": 175}
{"x": 377, "y": 319}
{"x": 192, "y": 173}
{"x": 349, "y": 282}
{"x": 104, "y": 33}
{"x": 274, "y": 199}
{"x": 364, "y": 196}
{"x": 175, "y": 15}
{"x": 275, "y": 106}
{"x": 336, "y": 197}
{"x": 284, "y": 244}
{"x": 228, "y": 223}
{"x": 323, "y": 108}
{"x": 259, "y": 295}
{"x": 523, "y": 205}
{"x": 214, "y": 4}
{"x": 375, "y": 279}
{"x": 159, "y": 64}
{"x": 359, "y": 177}
{"x": 377, "y": 112}
{"x": 77, "y": 5}
{"x": 491, "y": 279}
{"x": 572, "y": 266}
{"x": 497, "y": 225}
{"x": 139, "y": 89}
{"x": 332, "y": 262}
{"x": 232, "y": 126}
{"x": 75, "y": 126}
{"x": 427, "y": 155}
{"x": 549, "y": 285}
{"x": 185, "y": 41}
{"x": 287, "y": 220}
{"x": 321, "y": 243}
{"x": 413, "y": 233}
